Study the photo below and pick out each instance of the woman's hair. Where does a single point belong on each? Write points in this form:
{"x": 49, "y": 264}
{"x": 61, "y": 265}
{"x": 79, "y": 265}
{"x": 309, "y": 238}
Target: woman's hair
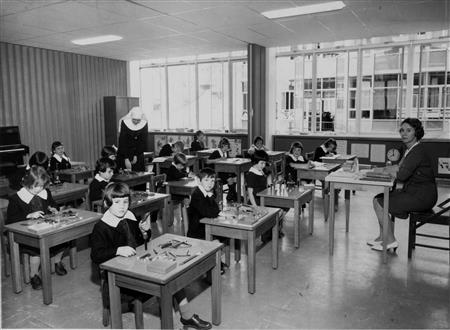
{"x": 223, "y": 142}
{"x": 115, "y": 190}
{"x": 197, "y": 134}
{"x": 206, "y": 172}
{"x": 258, "y": 138}
{"x": 36, "y": 176}
{"x": 104, "y": 163}
{"x": 39, "y": 158}
{"x": 260, "y": 156}
{"x": 108, "y": 151}
{"x": 417, "y": 125}
{"x": 55, "y": 145}
{"x": 329, "y": 142}
{"x": 294, "y": 145}
{"x": 179, "y": 158}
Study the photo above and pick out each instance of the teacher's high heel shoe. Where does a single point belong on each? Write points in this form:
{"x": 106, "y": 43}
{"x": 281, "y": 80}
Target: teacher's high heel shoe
{"x": 392, "y": 246}
{"x": 374, "y": 242}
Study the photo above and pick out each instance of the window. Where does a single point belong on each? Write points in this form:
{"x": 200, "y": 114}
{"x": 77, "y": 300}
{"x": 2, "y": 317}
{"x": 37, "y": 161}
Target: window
{"x": 201, "y": 93}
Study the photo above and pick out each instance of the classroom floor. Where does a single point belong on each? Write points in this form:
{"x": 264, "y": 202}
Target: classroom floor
{"x": 310, "y": 289}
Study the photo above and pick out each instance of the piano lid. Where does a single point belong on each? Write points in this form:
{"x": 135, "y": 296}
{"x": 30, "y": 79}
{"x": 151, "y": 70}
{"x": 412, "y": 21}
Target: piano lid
{"x": 9, "y": 136}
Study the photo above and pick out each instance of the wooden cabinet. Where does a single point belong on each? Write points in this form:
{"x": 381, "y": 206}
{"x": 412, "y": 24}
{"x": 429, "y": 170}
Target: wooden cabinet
{"x": 115, "y": 108}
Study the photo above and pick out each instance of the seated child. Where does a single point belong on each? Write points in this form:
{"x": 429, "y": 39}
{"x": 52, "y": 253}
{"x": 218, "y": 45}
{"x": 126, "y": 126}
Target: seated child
{"x": 257, "y": 182}
{"x": 118, "y": 234}
{"x": 228, "y": 178}
{"x": 325, "y": 149}
{"x": 258, "y": 144}
{"x": 177, "y": 169}
{"x": 168, "y": 149}
{"x": 59, "y": 160}
{"x": 39, "y": 158}
{"x": 203, "y": 203}
{"x": 295, "y": 156}
{"x": 104, "y": 170}
{"x": 109, "y": 152}
{"x": 33, "y": 201}
{"x": 199, "y": 141}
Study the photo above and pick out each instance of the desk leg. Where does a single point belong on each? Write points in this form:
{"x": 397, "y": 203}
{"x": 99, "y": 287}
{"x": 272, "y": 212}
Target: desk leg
{"x": 311, "y": 213}
{"x": 275, "y": 231}
{"x": 331, "y": 222}
{"x": 15, "y": 263}
{"x": 237, "y": 249}
{"x": 238, "y": 186}
{"x": 166, "y": 308}
{"x": 216, "y": 292}
{"x": 196, "y": 166}
{"x": 347, "y": 210}
{"x": 385, "y": 222}
{"x": 296, "y": 223}
{"x": 208, "y": 236}
{"x": 158, "y": 170}
{"x": 73, "y": 254}
{"x": 165, "y": 216}
{"x": 45, "y": 270}
{"x": 251, "y": 258}
{"x": 114, "y": 302}
{"x": 326, "y": 193}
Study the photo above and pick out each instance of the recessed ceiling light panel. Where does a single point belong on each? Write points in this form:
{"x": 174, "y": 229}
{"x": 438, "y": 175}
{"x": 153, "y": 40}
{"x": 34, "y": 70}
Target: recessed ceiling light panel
{"x": 96, "y": 40}
{"x": 304, "y": 10}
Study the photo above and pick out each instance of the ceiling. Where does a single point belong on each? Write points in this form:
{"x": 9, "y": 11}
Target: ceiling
{"x": 166, "y": 28}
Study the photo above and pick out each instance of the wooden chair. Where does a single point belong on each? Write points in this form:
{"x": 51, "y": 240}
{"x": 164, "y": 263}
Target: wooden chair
{"x": 106, "y": 318}
{"x": 309, "y": 155}
{"x": 4, "y": 244}
{"x": 419, "y": 219}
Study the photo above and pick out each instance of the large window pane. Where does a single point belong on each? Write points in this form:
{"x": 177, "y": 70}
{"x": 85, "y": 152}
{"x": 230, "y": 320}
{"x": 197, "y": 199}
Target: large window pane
{"x": 153, "y": 96}
{"x": 239, "y": 95}
{"x": 182, "y": 96}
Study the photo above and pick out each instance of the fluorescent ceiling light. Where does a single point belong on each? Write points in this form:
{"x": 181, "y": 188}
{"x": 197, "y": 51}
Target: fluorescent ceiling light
{"x": 96, "y": 40}
{"x": 304, "y": 10}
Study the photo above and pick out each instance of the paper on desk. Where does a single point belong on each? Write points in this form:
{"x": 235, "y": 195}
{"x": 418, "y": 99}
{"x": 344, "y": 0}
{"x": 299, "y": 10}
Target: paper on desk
{"x": 159, "y": 159}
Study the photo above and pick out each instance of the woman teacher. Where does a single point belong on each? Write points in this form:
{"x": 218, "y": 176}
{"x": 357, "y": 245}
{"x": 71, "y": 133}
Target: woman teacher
{"x": 133, "y": 129}
{"x": 415, "y": 189}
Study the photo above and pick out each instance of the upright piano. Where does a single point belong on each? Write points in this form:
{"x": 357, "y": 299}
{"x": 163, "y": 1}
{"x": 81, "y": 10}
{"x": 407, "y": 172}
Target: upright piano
{"x": 12, "y": 152}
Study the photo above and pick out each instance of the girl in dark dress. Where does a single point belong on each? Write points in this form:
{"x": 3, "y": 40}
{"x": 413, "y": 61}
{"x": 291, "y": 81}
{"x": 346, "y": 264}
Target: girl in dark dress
{"x": 33, "y": 201}
{"x": 198, "y": 143}
{"x": 415, "y": 183}
{"x": 327, "y": 148}
{"x": 59, "y": 160}
{"x": 295, "y": 156}
{"x": 132, "y": 141}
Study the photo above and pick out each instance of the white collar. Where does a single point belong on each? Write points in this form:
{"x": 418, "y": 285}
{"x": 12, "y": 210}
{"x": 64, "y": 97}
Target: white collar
{"x": 409, "y": 149}
{"x": 26, "y": 196}
{"x": 222, "y": 154}
{"x": 60, "y": 158}
{"x": 129, "y": 123}
{"x": 324, "y": 149}
{"x": 111, "y": 220}
{"x": 255, "y": 171}
{"x": 99, "y": 178}
{"x": 296, "y": 159}
{"x": 206, "y": 194}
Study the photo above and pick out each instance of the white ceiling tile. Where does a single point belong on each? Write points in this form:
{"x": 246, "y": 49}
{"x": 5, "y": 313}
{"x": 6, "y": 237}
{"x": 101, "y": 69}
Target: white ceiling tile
{"x": 343, "y": 23}
{"x": 272, "y": 30}
{"x": 123, "y": 8}
{"x": 261, "y": 6}
{"x": 8, "y": 7}
{"x": 242, "y": 33}
{"x": 174, "y": 23}
{"x": 173, "y": 7}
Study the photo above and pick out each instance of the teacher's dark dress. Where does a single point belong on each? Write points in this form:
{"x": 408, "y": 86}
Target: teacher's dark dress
{"x": 132, "y": 143}
{"x": 419, "y": 191}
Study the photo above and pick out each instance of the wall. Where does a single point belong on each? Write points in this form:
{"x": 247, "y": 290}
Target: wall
{"x": 54, "y": 95}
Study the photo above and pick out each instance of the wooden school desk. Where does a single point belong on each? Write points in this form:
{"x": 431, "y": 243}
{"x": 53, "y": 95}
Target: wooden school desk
{"x": 247, "y": 228}
{"x": 236, "y": 166}
{"x": 145, "y": 202}
{"x": 293, "y": 198}
{"x": 338, "y": 159}
{"x": 357, "y": 181}
{"x": 318, "y": 172}
{"x": 133, "y": 178}
{"x": 68, "y": 192}
{"x": 76, "y": 175}
{"x": 45, "y": 238}
{"x": 132, "y": 273}
{"x": 165, "y": 162}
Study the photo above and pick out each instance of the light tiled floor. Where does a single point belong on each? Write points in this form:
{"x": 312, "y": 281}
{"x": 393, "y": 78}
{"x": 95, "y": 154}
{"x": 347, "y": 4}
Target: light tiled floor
{"x": 310, "y": 289}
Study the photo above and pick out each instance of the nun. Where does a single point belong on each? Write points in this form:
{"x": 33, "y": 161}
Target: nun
{"x": 133, "y": 131}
